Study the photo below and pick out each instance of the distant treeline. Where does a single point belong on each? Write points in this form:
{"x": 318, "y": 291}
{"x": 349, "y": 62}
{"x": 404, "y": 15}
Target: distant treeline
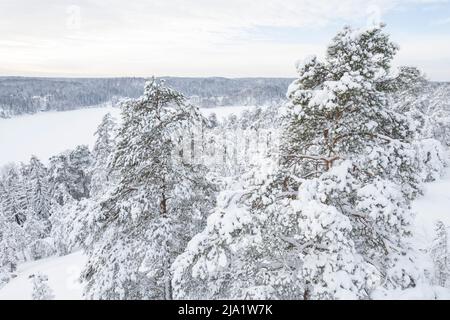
{"x": 25, "y": 95}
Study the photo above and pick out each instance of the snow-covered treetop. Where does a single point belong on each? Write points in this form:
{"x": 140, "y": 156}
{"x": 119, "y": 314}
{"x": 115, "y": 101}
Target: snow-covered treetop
{"x": 367, "y": 52}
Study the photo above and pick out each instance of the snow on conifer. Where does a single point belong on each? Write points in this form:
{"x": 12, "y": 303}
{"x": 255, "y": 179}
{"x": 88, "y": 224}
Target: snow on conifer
{"x": 441, "y": 255}
{"x": 333, "y": 221}
{"x": 313, "y": 198}
{"x": 101, "y": 153}
{"x": 160, "y": 202}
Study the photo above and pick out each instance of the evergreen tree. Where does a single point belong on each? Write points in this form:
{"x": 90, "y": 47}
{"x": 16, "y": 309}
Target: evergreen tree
{"x": 80, "y": 160}
{"x": 38, "y": 188}
{"x": 440, "y": 255}
{"x": 59, "y": 178}
{"x": 101, "y": 153}
{"x": 12, "y": 246}
{"x": 35, "y": 178}
{"x": 70, "y": 180}
{"x": 69, "y": 175}
{"x": 333, "y": 221}
{"x": 159, "y": 204}
{"x": 339, "y": 111}
{"x": 15, "y": 202}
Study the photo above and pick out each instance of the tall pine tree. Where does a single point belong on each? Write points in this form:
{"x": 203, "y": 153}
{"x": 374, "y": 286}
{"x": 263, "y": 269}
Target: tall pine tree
{"x": 333, "y": 220}
{"x": 159, "y": 204}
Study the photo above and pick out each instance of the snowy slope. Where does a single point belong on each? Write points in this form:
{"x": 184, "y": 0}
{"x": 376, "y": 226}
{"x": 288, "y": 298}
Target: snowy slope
{"x": 63, "y": 273}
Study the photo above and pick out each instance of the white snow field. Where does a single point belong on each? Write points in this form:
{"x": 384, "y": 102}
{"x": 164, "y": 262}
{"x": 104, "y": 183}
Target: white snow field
{"x": 46, "y": 134}
{"x": 63, "y": 274}
{"x": 63, "y": 271}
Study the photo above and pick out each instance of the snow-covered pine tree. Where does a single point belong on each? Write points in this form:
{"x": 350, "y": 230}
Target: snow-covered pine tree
{"x": 12, "y": 245}
{"x": 407, "y": 93}
{"x": 69, "y": 175}
{"x": 101, "y": 153}
{"x": 80, "y": 160}
{"x": 15, "y": 202}
{"x": 159, "y": 204}
{"x": 340, "y": 107}
{"x": 266, "y": 251}
{"x": 8, "y": 258}
{"x": 58, "y": 178}
{"x": 408, "y": 89}
{"x": 70, "y": 179}
{"x": 37, "y": 225}
{"x": 37, "y": 185}
{"x": 441, "y": 255}
{"x": 338, "y": 112}
{"x": 41, "y": 289}
{"x": 333, "y": 220}
{"x": 77, "y": 219}
{"x": 37, "y": 177}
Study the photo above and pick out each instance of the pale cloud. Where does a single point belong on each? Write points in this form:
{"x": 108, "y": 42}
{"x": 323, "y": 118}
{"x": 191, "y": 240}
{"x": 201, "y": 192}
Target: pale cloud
{"x": 168, "y": 37}
{"x": 441, "y": 21}
{"x": 429, "y": 53}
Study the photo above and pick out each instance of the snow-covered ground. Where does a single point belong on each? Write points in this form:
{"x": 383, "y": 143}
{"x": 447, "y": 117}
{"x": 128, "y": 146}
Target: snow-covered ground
{"x": 48, "y": 133}
{"x": 433, "y": 206}
{"x": 63, "y": 272}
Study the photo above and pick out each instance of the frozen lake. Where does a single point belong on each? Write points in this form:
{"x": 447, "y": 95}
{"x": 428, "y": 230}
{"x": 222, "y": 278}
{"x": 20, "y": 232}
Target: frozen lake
{"x": 47, "y": 133}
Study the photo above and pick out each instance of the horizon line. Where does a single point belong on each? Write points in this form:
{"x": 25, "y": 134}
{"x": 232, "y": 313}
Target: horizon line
{"x": 165, "y": 76}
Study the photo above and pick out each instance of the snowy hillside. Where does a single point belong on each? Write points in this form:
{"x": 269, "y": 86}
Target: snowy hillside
{"x": 63, "y": 272}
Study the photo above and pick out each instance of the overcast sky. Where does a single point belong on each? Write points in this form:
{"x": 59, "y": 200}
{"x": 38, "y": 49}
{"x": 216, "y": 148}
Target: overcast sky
{"x": 231, "y": 38}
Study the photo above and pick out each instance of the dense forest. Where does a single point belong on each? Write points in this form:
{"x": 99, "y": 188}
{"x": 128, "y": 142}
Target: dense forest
{"x": 20, "y": 95}
{"x": 310, "y": 199}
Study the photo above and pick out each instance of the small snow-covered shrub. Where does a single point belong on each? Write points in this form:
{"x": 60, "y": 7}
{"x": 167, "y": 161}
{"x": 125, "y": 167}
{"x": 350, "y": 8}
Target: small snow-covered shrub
{"x": 41, "y": 289}
{"x": 4, "y": 277}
